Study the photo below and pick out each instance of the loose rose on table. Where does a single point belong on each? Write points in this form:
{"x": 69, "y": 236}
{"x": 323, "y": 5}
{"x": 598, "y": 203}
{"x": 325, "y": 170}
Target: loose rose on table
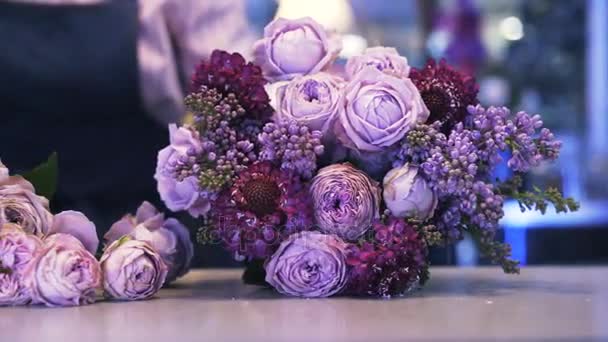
{"x": 63, "y": 273}
{"x": 132, "y": 270}
{"x": 169, "y": 237}
{"x": 17, "y": 250}
{"x": 20, "y": 205}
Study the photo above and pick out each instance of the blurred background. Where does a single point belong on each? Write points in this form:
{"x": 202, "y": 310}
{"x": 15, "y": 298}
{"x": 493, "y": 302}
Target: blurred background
{"x": 545, "y": 56}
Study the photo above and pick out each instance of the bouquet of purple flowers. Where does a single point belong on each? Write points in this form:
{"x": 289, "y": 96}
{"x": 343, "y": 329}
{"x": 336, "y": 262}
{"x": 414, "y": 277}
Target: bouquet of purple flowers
{"x": 340, "y": 183}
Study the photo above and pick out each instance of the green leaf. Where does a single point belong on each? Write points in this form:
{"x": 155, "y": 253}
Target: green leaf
{"x": 44, "y": 177}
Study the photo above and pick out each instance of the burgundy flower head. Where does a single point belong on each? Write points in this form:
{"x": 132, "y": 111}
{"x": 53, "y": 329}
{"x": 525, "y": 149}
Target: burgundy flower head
{"x": 230, "y": 73}
{"x": 263, "y": 206}
{"x": 391, "y": 264}
{"x": 445, "y": 91}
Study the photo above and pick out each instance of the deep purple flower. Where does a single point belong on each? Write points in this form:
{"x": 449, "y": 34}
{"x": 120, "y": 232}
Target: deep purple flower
{"x": 346, "y": 201}
{"x": 20, "y": 205}
{"x": 63, "y": 273}
{"x": 308, "y": 264}
{"x": 312, "y": 100}
{"x": 169, "y": 237}
{"x": 231, "y": 74}
{"x": 17, "y": 249}
{"x": 445, "y": 91}
{"x": 293, "y": 47}
{"x": 132, "y": 270}
{"x": 385, "y": 59}
{"x": 380, "y": 110}
{"x": 263, "y": 205}
{"x": 391, "y": 264}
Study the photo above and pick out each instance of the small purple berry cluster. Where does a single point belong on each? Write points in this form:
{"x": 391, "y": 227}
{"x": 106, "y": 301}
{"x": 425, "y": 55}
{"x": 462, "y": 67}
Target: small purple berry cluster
{"x": 293, "y": 145}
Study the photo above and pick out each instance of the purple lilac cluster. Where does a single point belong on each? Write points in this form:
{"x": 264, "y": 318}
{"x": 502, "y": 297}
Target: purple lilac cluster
{"x": 292, "y": 145}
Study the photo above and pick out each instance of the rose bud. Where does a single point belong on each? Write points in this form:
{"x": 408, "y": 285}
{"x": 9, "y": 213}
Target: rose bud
{"x": 169, "y": 237}
{"x": 295, "y": 47}
{"x": 407, "y": 194}
{"x": 385, "y": 59}
{"x": 63, "y": 273}
{"x": 346, "y": 201}
{"x": 132, "y": 270}
{"x": 308, "y": 264}
{"x": 17, "y": 249}
{"x": 20, "y": 205}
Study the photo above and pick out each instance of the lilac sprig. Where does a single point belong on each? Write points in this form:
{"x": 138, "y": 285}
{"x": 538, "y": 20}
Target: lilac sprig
{"x": 419, "y": 143}
{"x": 291, "y": 145}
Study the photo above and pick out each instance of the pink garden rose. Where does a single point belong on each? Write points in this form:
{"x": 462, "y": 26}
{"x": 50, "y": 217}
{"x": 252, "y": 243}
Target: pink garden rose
{"x": 295, "y": 47}
{"x": 132, "y": 270}
{"x": 385, "y": 59}
{"x": 63, "y": 273}
{"x": 180, "y": 194}
{"x": 312, "y": 100}
{"x": 167, "y": 236}
{"x": 76, "y": 224}
{"x": 380, "y": 110}
{"x": 20, "y": 205}
{"x": 17, "y": 249}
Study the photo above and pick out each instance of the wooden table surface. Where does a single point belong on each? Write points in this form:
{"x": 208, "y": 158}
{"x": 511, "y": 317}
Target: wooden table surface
{"x": 464, "y": 304}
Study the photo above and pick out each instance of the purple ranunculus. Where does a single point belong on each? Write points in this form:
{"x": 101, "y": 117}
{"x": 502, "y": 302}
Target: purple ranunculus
{"x": 63, "y": 273}
{"x": 17, "y": 249}
{"x": 295, "y": 47}
{"x": 169, "y": 237}
{"x": 385, "y": 59}
{"x": 308, "y": 264}
{"x": 380, "y": 110}
{"x": 407, "y": 194}
{"x": 20, "y": 205}
{"x": 180, "y": 194}
{"x": 346, "y": 201}
{"x": 312, "y": 100}
{"x": 78, "y": 225}
{"x": 132, "y": 270}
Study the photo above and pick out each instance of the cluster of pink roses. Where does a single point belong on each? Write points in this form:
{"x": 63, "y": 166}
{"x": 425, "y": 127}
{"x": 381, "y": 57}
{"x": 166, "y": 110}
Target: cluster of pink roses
{"x": 50, "y": 259}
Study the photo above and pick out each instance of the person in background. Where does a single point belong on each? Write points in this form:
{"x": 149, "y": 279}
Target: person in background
{"x": 97, "y": 82}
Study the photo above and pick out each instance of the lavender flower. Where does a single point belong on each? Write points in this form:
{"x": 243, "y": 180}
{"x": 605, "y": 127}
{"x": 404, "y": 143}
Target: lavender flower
{"x": 407, "y": 194}
{"x": 3, "y": 171}
{"x": 292, "y": 145}
{"x": 385, "y": 59}
{"x": 79, "y": 226}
